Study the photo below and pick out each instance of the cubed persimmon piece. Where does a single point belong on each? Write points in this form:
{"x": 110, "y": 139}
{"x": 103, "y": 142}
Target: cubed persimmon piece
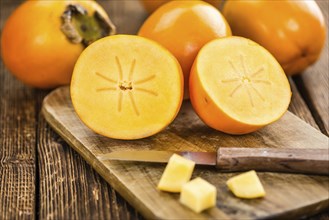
{"x": 178, "y": 172}
{"x": 127, "y": 87}
{"x": 198, "y": 195}
{"x": 237, "y": 86}
{"x": 246, "y": 185}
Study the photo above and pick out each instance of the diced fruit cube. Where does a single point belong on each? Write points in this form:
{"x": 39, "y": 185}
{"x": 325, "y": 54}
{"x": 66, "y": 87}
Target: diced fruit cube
{"x": 198, "y": 195}
{"x": 178, "y": 172}
{"x": 246, "y": 185}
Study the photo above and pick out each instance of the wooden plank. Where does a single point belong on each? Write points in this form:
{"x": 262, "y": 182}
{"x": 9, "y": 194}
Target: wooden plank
{"x": 314, "y": 82}
{"x": 288, "y": 195}
{"x": 69, "y": 187}
{"x": 17, "y": 141}
{"x": 299, "y": 107}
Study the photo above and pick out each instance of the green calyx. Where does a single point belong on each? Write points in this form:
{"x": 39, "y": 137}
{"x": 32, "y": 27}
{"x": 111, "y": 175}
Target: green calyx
{"x": 80, "y": 27}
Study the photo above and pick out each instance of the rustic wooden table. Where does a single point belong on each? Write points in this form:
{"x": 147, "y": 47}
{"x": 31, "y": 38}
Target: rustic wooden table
{"x": 42, "y": 177}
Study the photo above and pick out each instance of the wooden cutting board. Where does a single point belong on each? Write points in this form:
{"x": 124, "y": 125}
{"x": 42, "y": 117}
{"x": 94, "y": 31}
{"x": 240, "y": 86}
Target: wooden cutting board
{"x": 288, "y": 195}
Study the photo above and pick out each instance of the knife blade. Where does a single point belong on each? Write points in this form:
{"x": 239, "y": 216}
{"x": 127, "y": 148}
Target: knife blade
{"x": 292, "y": 160}
{"x": 200, "y": 158}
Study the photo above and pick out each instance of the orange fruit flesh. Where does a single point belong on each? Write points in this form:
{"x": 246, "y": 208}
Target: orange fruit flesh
{"x": 126, "y": 87}
{"x": 238, "y": 86}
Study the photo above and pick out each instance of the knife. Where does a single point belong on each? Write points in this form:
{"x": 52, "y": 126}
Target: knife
{"x": 307, "y": 161}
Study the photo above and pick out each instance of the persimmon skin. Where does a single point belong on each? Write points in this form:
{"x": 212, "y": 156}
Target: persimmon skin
{"x": 184, "y": 27}
{"x": 34, "y": 48}
{"x": 293, "y": 31}
{"x": 151, "y": 5}
{"x": 236, "y": 110}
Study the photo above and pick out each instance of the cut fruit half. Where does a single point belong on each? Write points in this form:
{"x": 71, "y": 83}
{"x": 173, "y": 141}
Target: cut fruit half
{"x": 237, "y": 86}
{"x": 127, "y": 87}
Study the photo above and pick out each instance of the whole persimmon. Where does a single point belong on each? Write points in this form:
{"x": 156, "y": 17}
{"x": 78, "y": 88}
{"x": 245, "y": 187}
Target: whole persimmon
{"x": 42, "y": 40}
{"x": 183, "y": 27}
{"x": 151, "y": 5}
{"x": 293, "y": 31}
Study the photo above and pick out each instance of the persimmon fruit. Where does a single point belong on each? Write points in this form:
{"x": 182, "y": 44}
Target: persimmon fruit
{"x": 246, "y": 185}
{"x": 42, "y": 40}
{"x": 184, "y": 27}
{"x": 126, "y": 87}
{"x": 237, "y": 86}
{"x": 151, "y": 5}
{"x": 177, "y": 173}
{"x": 293, "y": 31}
{"x": 198, "y": 195}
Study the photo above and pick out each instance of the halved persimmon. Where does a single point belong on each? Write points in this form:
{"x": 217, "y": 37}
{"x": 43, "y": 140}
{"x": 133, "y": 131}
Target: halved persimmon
{"x": 127, "y": 87}
{"x": 237, "y": 86}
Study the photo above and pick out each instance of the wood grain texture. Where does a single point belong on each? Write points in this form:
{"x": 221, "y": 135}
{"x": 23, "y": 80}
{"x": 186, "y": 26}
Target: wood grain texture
{"x": 287, "y": 194}
{"x": 70, "y": 188}
{"x": 313, "y": 84}
{"x": 285, "y": 160}
{"x": 17, "y": 143}
{"x": 299, "y": 107}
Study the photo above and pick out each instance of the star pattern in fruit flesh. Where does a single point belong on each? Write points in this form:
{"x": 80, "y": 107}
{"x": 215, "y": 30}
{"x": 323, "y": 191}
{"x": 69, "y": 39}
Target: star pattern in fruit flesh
{"x": 246, "y": 80}
{"x": 126, "y": 85}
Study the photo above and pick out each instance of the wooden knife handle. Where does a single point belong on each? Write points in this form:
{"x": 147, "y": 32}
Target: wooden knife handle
{"x": 308, "y": 161}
